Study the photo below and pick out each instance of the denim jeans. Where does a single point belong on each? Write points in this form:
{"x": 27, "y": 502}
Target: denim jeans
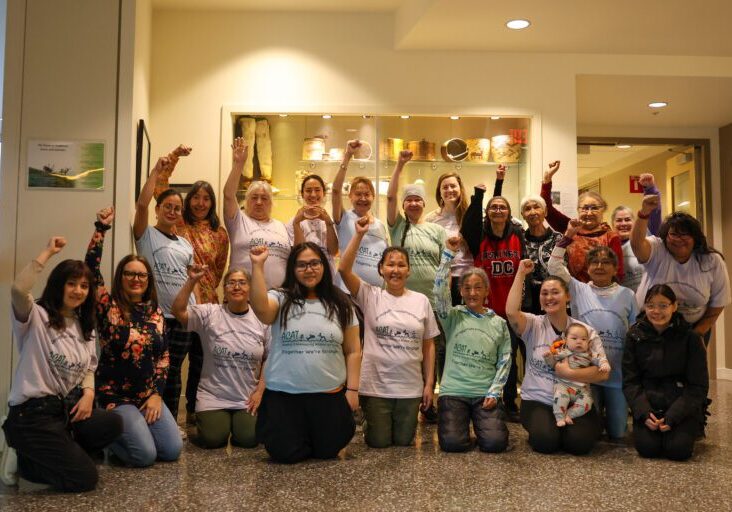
{"x": 612, "y": 406}
{"x": 453, "y": 429}
{"x": 141, "y": 444}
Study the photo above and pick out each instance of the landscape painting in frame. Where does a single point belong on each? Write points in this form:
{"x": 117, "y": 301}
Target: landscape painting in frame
{"x": 77, "y": 165}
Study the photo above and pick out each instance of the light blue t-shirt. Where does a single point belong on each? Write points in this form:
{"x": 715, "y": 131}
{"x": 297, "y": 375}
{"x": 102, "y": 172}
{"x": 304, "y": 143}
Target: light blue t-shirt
{"x": 306, "y": 356}
{"x": 372, "y": 247}
{"x": 169, "y": 259}
{"x": 610, "y": 311}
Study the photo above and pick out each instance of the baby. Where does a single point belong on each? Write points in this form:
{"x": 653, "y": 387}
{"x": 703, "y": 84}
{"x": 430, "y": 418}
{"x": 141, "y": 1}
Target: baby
{"x": 573, "y": 399}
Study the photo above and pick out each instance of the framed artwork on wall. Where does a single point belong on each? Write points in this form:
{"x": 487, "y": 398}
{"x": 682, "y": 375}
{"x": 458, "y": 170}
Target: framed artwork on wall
{"x": 66, "y": 164}
{"x": 142, "y": 156}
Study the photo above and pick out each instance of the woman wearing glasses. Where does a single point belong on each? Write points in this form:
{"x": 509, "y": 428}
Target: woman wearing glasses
{"x": 665, "y": 378}
{"x": 313, "y": 365}
{"x": 680, "y": 257}
{"x": 169, "y": 255}
{"x": 133, "y": 364}
{"x": 235, "y": 345}
{"x": 593, "y": 230}
{"x": 497, "y": 244}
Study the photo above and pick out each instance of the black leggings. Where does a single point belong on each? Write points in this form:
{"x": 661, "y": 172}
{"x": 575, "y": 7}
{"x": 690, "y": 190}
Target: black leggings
{"x": 52, "y": 450}
{"x": 294, "y": 427}
{"x": 675, "y": 444}
{"x": 545, "y": 437}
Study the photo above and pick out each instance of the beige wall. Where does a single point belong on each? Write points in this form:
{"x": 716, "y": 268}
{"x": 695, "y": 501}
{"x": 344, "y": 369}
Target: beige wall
{"x": 615, "y": 187}
{"x": 725, "y": 146}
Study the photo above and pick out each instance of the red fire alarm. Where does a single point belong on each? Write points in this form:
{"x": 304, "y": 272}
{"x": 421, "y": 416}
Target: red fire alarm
{"x": 635, "y": 186}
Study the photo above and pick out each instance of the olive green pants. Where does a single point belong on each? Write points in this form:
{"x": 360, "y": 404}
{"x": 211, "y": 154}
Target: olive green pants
{"x": 215, "y": 427}
{"x": 389, "y": 421}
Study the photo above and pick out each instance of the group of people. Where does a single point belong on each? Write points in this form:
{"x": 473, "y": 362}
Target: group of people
{"x": 335, "y": 312}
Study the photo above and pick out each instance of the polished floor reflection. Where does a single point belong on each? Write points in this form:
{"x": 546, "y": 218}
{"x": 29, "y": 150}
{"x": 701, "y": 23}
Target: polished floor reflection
{"x": 419, "y": 478}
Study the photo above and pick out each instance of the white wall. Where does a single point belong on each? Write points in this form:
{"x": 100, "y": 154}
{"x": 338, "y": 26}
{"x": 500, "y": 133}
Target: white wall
{"x": 61, "y": 83}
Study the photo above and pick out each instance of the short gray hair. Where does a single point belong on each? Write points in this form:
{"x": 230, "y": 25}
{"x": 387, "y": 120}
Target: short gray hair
{"x": 535, "y": 198}
{"x": 474, "y": 271}
{"x": 257, "y": 185}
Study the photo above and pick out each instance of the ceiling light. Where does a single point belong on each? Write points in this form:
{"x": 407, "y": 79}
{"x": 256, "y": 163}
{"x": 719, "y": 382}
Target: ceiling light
{"x": 518, "y": 24}
{"x": 495, "y": 118}
{"x": 283, "y": 115}
{"x": 623, "y": 146}
{"x": 658, "y": 104}
{"x": 454, "y": 118}
{"x": 405, "y": 117}
{"x": 365, "y": 116}
{"x": 327, "y": 116}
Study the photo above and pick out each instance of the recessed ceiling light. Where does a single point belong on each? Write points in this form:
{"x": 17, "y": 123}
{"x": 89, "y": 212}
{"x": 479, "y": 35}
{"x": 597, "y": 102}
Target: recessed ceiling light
{"x": 454, "y": 118}
{"x": 327, "y": 116}
{"x": 495, "y": 118}
{"x": 365, "y": 116}
{"x": 517, "y": 24}
{"x": 405, "y": 117}
{"x": 283, "y": 115}
{"x": 623, "y": 146}
{"x": 658, "y": 104}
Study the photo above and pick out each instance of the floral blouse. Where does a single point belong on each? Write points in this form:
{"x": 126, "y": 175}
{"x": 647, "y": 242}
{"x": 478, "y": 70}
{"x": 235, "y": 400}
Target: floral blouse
{"x": 210, "y": 247}
{"x": 134, "y": 356}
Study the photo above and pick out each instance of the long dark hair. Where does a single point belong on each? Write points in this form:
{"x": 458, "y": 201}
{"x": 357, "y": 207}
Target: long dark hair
{"x": 52, "y": 298}
{"x": 684, "y": 224}
{"x": 123, "y": 301}
{"x": 336, "y": 302}
{"x": 660, "y": 289}
{"x": 212, "y": 217}
{"x": 311, "y": 177}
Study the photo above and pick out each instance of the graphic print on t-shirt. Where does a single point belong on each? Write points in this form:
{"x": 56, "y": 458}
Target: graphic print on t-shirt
{"x": 224, "y": 357}
{"x": 398, "y": 337}
{"x": 469, "y": 357}
{"x": 295, "y": 341}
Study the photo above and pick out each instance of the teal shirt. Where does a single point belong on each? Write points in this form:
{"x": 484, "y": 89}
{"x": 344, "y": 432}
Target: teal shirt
{"x": 478, "y": 346}
{"x": 424, "y": 242}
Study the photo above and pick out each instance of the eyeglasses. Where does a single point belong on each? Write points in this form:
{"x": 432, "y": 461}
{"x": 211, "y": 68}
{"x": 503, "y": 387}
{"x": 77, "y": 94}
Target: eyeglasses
{"x": 240, "y": 283}
{"x": 172, "y": 208}
{"x": 304, "y": 265}
{"x": 128, "y": 274}
{"x": 590, "y": 208}
{"x": 658, "y": 307}
{"x": 679, "y": 236}
{"x": 498, "y": 208}
{"x": 602, "y": 263}
{"x": 471, "y": 289}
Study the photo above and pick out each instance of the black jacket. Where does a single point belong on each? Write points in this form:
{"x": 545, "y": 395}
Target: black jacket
{"x": 665, "y": 372}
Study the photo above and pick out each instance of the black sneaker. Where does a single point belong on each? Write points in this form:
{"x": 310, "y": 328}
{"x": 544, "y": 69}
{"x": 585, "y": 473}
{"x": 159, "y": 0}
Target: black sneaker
{"x": 513, "y": 415}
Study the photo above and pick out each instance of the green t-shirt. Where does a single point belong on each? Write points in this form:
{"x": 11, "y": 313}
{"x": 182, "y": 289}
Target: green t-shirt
{"x": 424, "y": 242}
{"x": 478, "y": 354}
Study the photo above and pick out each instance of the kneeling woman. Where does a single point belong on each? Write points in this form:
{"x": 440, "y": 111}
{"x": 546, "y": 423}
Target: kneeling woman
{"x": 235, "y": 344}
{"x": 55, "y": 340}
{"x": 133, "y": 365}
{"x": 665, "y": 378}
{"x": 477, "y": 364}
{"x": 306, "y": 411}
{"x": 399, "y": 352}
{"x": 538, "y": 332}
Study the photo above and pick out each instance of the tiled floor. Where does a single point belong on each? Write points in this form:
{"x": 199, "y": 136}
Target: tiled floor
{"x": 419, "y": 478}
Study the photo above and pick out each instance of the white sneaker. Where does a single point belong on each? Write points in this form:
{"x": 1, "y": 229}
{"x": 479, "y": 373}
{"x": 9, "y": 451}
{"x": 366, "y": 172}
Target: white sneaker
{"x": 28, "y": 486}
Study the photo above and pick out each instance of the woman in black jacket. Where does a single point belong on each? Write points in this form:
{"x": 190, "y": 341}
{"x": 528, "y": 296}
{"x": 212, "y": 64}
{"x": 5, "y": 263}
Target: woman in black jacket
{"x": 665, "y": 378}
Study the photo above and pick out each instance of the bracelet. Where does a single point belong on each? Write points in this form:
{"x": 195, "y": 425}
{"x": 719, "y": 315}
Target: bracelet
{"x": 641, "y": 216}
{"x": 102, "y": 227}
{"x": 351, "y": 389}
{"x": 343, "y": 167}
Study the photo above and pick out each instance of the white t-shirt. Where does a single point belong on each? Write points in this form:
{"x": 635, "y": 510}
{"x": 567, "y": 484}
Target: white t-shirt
{"x": 315, "y": 231}
{"x": 463, "y": 259}
{"x": 633, "y": 270}
{"x": 234, "y": 347}
{"x": 245, "y": 233}
{"x": 366, "y": 265}
{"x": 697, "y": 285}
{"x": 169, "y": 260}
{"x": 51, "y": 362}
{"x": 306, "y": 356}
{"x": 395, "y": 329}
{"x": 538, "y": 384}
